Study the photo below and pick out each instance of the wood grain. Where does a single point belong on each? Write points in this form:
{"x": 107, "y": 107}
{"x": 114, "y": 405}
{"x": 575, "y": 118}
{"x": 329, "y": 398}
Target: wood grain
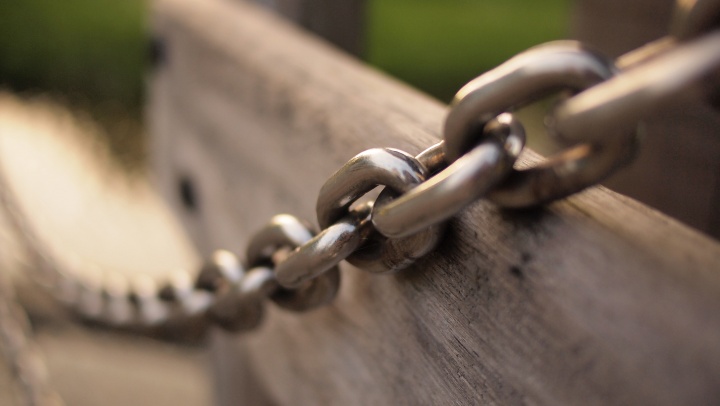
{"x": 593, "y": 300}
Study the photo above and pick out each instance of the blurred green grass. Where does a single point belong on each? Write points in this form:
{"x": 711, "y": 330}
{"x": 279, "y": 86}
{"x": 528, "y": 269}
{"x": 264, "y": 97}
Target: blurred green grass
{"x": 87, "y": 54}
{"x": 92, "y": 52}
{"x": 88, "y": 51}
{"x": 438, "y": 45}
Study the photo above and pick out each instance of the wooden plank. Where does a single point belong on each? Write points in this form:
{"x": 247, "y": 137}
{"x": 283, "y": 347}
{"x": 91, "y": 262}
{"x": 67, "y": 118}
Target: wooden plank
{"x": 678, "y": 170}
{"x": 593, "y": 300}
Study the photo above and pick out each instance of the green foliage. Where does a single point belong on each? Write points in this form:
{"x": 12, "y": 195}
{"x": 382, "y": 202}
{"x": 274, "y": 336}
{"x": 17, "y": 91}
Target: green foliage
{"x": 89, "y": 51}
{"x": 93, "y": 51}
{"x": 438, "y": 45}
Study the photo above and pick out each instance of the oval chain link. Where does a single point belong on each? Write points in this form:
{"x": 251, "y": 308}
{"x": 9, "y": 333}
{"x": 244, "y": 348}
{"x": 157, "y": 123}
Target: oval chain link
{"x": 324, "y": 251}
{"x": 466, "y": 180}
{"x": 527, "y": 77}
{"x": 398, "y": 172}
{"x": 537, "y": 73}
{"x": 388, "y": 167}
{"x": 288, "y": 232}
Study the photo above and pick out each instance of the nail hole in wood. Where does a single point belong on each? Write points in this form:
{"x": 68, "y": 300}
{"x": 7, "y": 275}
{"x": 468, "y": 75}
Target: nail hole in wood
{"x": 187, "y": 193}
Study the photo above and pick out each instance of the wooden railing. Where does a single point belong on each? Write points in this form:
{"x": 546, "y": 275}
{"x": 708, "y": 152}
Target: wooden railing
{"x": 592, "y": 300}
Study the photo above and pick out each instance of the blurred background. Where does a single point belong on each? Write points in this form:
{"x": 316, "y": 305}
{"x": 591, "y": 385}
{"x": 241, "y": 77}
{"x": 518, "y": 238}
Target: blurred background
{"x": 91, "y": 56}
{"x": 437, "y": 46}
{"x": 86, "y": 55}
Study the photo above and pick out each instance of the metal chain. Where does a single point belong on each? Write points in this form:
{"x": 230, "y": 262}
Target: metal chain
{"x": 21, "y": 353}
{"x": 297, "y": 268}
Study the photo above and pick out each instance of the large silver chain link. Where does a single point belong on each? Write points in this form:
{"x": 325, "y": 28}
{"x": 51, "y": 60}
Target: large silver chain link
{"x": 289, "y": 263}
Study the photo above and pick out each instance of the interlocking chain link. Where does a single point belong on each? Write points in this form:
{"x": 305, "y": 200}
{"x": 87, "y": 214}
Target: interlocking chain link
{"x": 287, "y": 262}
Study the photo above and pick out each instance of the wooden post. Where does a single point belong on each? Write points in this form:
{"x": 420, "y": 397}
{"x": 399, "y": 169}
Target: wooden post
{"x": 592, "y": 300}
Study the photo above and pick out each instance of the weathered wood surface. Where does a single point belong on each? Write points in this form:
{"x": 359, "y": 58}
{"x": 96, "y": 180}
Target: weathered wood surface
{"x": 593, "y": 300}
{"x": 678, "y": 168}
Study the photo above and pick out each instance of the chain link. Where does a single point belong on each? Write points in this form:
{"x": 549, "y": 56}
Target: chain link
{"x": 296, "y": 268}
{"x": 463, "y": 182}
{"x": 671, "y": 75}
